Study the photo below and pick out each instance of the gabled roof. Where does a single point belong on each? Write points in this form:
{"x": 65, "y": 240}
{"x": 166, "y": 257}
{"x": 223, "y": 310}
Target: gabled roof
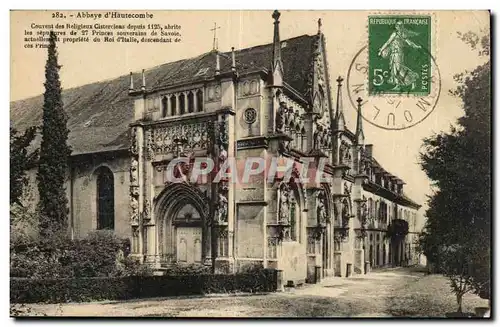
{"x": 99, "y": 114}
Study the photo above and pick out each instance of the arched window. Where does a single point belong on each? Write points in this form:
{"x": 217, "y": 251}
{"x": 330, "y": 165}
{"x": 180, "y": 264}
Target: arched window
{"x": 190, "y": 100}
{"x": 370, "y": 207}
{"x": 182, "y": 104}
{"x": 199, "y": 100}
{"x": 105, "y": 199}
{"x": 164, "y": 107}
{"x": 173, "y": 105}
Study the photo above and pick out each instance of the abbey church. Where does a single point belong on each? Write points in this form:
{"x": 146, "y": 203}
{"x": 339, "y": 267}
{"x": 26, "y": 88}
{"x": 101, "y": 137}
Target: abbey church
{"x": 270, "y": 101}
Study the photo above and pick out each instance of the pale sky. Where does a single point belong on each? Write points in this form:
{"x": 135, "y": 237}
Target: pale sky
{"x": 345, "y": 32}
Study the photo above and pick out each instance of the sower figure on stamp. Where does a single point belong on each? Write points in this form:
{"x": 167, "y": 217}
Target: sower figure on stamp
{"x": 401, "y": 75}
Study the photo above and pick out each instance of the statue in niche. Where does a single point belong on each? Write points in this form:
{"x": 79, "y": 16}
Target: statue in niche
{"x": 284, "y": 205}
{"x": 222, "y": 154}
{"x": 134, "y": 205}
{"x": 321, "y": 208}
{"x": 146, "y": 212}
{"x": 222, "y": 208}
{"x": 280, "y": 118}
{"x": 363, "y": 213}
{"x": 317, "y": 137}
{"x": 343, "y": 151}
{"x": 345, "y": 214}
{"x": 134, "y": 173}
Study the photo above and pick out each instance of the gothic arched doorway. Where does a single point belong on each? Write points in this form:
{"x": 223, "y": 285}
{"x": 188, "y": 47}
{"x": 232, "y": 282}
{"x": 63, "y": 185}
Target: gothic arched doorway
{"x": 183, "y": 236}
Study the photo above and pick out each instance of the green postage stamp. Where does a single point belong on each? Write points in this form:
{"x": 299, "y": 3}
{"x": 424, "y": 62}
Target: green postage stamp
{"x": 399, "y": 58}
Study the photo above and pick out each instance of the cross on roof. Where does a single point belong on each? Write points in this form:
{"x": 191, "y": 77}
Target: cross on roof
{"x": 215, "y": 45}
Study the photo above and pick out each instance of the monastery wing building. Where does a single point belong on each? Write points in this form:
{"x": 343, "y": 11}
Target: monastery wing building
{"x": 269, "y": 101}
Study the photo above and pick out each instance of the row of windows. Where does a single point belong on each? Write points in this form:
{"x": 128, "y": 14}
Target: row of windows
{"x": 386, "y": 183}
{"x": 182, "y": 103}
{"x": 379, "y": 210}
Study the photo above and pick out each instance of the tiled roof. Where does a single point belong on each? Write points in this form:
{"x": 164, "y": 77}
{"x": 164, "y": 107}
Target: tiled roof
{"x": 100, "y": 113}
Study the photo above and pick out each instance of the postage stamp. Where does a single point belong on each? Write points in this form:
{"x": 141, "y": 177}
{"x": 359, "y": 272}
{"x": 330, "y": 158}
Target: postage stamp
{"x": 399, "y": 54}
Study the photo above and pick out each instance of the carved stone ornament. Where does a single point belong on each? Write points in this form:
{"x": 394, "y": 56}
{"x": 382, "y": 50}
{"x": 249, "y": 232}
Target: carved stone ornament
{"x": 222, "y": 209}
{"x": 134, "y": 212}
{"x": 347, "y": 189}
{"x": 346, "y": 215}
{"x": 134, "y": 172}
{"x": 321, "y": 213}
{"x": 134, "y": 150}
{"x": 344, "y": 152}
{"x": 280, "y": 118}
{"x": 146, "y": 213}
{"x": 284, "y": 204}
{"x": 197, "y": 136}
{"x": 317, "y": 137}
{"x": 250, "y": 115}
{"x": 149, "y": 144}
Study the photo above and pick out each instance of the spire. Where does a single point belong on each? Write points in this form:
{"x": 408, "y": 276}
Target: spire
{"x": 319, "y": 25}
{"x": 339, "y": 114}
{"x": 143, "y": 87}
{"x": 131, "y": 87}
{"x": 217, "y": 63}
{"x": 233, "y": 60}
{"x": 277, "y": 66}
{"x": 216, "y": 41}
{"x": 360, "y": 136}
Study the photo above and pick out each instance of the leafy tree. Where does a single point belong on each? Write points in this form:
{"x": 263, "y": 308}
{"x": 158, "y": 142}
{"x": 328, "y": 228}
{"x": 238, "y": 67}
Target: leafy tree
{"x": 21, "y": 160}
{"x": 54, "y": 151}
{"x": 457, "y": 233}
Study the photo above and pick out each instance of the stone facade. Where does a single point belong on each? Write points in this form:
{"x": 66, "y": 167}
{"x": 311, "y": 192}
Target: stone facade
{"x": 307, "y": 230}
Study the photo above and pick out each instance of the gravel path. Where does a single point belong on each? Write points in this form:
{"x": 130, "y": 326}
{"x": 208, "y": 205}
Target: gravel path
{"x": 384, "y": 293}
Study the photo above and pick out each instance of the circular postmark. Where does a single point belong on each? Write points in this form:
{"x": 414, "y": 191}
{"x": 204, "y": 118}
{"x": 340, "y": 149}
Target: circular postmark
{"x": 397, "y": 103}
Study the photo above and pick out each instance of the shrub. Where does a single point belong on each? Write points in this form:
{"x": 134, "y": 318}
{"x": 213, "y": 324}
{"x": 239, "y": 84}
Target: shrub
{"x": 100, "y": 254}
{"x": 28, "y": 290}
{"x": 186, "y": 269}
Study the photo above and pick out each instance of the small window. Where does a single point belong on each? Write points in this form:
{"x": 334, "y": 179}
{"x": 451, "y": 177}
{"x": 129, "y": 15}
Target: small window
{"x": 199, "y": 100}
{"x": 164, "y": 107}
{"x": 190, "y": 100}
{"x": 182, "y": 103}
{"x": 173, "y": 105}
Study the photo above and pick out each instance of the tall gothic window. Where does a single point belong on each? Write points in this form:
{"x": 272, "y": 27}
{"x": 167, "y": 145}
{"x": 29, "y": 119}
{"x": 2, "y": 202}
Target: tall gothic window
{"x": 105, "y": 199}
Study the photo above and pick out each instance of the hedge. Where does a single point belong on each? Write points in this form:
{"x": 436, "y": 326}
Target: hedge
{"x": 25, "y": 290}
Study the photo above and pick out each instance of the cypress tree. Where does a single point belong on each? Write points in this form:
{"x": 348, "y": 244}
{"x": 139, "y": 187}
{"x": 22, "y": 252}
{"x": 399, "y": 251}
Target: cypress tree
{"x": 54, "y": 151}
